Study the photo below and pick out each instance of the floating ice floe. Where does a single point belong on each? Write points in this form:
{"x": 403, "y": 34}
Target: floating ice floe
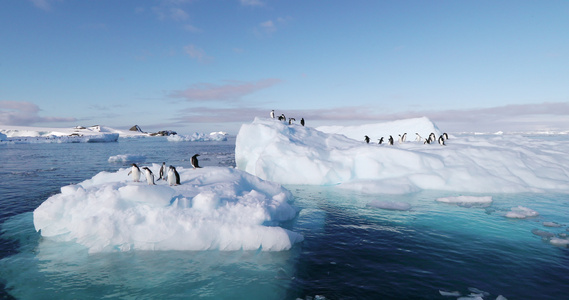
{"x": 521, "y": 212}
{"x": 199, "y": 137}
{"x": 213, "y": 208}
{"x": 467, "y": 201}
{"x": 126, "y": 158}
{"x": 551, "y": 224}
{"x": 294, "y": 154}
{"x": 559, "y": 242}
{"x": 542, "y": 233}
{"x": 390, "y": 205}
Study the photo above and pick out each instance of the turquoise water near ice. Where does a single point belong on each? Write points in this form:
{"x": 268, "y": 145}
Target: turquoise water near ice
{"x": 350, "y": 251}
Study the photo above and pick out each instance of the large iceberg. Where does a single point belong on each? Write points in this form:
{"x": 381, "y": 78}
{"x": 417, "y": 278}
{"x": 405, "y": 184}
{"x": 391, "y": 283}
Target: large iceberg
{"x": 213, "y": 208}
{"x": 293, "y": 154}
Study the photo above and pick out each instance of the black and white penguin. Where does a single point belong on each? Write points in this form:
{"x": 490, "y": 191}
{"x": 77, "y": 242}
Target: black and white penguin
{"x": 149, "y": 175}
{"x": 273, "y": 113}
{"x": 390, "y": 141}
{"x": 290, "y": 120}
{"x": 418, "y": 138}
{"x": 302, "y": 121}
{"x": 445, "y": 135}
{"x": 173, "y": 176}
{"x": 194, "y": 161}
{"x": 441, "y": 140}
{"x": 402, "y": 138}
{"x": 162, "y": 174}
{"x": 381, "y": 141}
{"x": 282, "y": 117}
{"x": 366, "y": 139}
{"x": 432, "y": 137}
{"x": 135, "y": 173}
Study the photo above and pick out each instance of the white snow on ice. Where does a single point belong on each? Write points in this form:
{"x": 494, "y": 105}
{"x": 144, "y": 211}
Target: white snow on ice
{"x": 198, "y": 137}
{"x": 214, "y": 208}
{"x": 293, "y": 154}
{"x": 126, "y": 158}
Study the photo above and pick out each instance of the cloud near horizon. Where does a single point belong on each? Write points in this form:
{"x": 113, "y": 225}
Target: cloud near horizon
{"x": 233, "y": 90}
{"x": 518, "y": 117}
{"x": 24, "y": 114}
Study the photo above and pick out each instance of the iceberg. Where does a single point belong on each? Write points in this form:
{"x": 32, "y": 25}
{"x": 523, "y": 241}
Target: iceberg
{"x": 33, "y": 135}
{"x": 293, "y": 154}
{"x": 213, "y": 208}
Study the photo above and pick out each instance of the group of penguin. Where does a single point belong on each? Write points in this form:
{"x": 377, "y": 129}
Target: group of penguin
{"x": 283, "y": 118}
{"x": 431, "y": 139}
{"x": 171, "y": 175}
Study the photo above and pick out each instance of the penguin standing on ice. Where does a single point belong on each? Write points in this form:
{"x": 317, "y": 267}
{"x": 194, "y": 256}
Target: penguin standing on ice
{"x": 194, "y": 161}
{"x": 173, "y": 176}
{"x": 273, "y": 113}
{"x": 290, "y": 120}
{"x": 149, "y": 175}
{"x": 380, "y": 141}
{"x": 366, "y": 139}
{"x": 441, "y": 140}
{"x": 162, "y": 174}
{"x": 445, "y": 135}
{"x": 432, "y": 137}
{"x": 135, "y": 173}
{"x": 390, "y": 141}
{"x": 418, "y": 138}
{"x": 402, "y": 138}
{"x": 302, "y": 121}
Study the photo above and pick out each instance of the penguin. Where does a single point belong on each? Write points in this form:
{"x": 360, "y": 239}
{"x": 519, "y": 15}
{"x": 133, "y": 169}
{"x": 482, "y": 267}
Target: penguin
{"x": 402, "y": 138}
{"x": 290, "y": 120}
{"x": 173, "y": 176}
{"x": 282, "y": 117}
{"x": 135, "y": 173}
{"x": 432, "y": 137}
{"x": 162, "y": 174}
{"x": 445, "y": 135}
{"x": 366, "y": 139}
{"x": 194, "y": 161}
{"x": 302, "y": 121}
{"x": 149, "y": 176}
{"x": 380, "y": 141}
{"x": 273, "y": 113}
{"x": 390, "y": 141}
{"x": 418, "y": 138}
{"x": 441, "y": 140}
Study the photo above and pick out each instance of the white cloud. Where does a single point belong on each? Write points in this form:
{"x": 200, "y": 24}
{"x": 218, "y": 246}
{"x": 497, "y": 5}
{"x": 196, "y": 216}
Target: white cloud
{"x": 233, "y": 90}
{"x": 252, "y": 2}
{"x": 197, "y": 54}
{"x": 24, "y": 113}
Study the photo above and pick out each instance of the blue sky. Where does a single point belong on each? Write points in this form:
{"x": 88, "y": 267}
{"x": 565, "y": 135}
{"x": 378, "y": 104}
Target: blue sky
{"x": 199, "y": 65}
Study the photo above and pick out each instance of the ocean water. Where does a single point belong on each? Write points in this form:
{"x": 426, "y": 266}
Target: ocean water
{"x": 351, "y": 250}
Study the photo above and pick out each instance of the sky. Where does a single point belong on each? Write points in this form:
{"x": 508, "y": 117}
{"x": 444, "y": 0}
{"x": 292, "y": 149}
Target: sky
{"x": 212, "y": 65}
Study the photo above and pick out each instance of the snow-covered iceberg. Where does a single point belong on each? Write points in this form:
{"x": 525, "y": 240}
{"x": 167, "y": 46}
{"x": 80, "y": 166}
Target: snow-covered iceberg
{"x": 30, "y": 135}
{"x": 293, "y": 154}
{"x": 213, "y": 208}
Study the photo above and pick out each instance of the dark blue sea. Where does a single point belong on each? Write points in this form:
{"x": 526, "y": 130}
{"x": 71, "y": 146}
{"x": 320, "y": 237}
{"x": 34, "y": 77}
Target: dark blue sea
{"x": 350, "y": 250}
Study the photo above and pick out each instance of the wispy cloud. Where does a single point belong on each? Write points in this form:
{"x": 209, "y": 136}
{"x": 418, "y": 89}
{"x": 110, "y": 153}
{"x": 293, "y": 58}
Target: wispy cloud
{"x": 271, "y": 26}
{"x": 510, "y": 118}
{"x": 233, "y": 90}
{"x": 197, "y": 54}
{"x": 43, "y": 4}
{"x": 251, "y": 2}
{"x": 192, "y": 28}
{"x": 24, "y": 113}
